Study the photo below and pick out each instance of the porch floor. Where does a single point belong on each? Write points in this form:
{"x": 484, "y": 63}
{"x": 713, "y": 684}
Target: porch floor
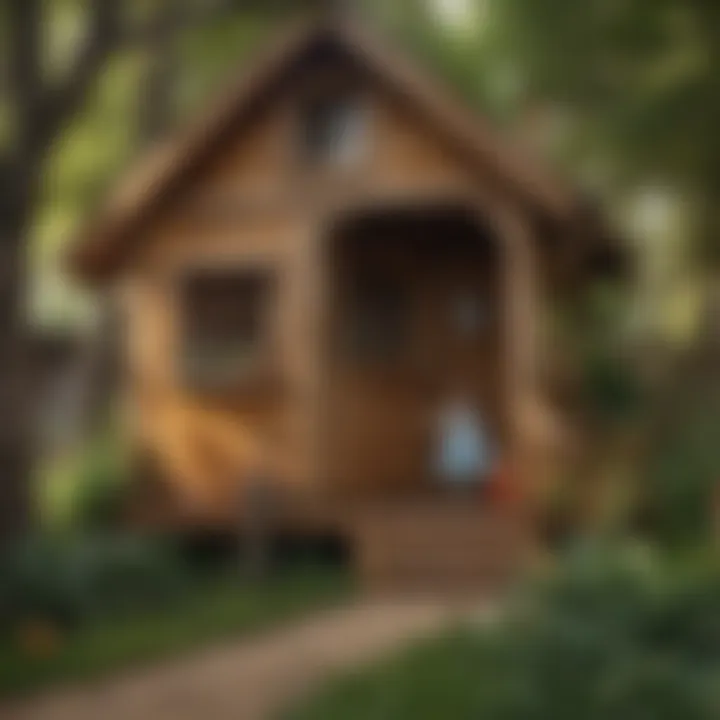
{"x": 438, "y": 544}
{"x": 430, "y": 540}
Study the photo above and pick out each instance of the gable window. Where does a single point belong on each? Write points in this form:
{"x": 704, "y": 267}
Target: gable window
{"x": 332, "y": 130}
{"x": 224, "y": 327}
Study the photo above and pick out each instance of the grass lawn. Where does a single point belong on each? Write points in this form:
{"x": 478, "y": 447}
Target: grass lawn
{"x": 433, "y": 679}
{"x": 213, "y": 613}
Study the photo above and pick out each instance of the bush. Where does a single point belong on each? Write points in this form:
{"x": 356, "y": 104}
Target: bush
{"x": 36, "y": 582}
{"x": 681, "y": 468}
{"x": 639, "y": 599}
{"x": 87, "y": 487}
{"x": 101, "y": 484}
{"x": 624, "y": 635}
{"x": 69, "y": 581}
{"x": 681, "y": 478}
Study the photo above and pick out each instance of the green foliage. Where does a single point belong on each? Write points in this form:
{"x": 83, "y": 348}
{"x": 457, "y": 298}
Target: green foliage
{"x": 612, "y": 389}
{"x": 642, "y": 74}
{"x": 594, "y": 331}
{"x": 71, "y": 581}
{"x": 35, "y": 582}
{"x": 102, "y": 482}
{"x": 682, "y": 473}
{"x": 613, "y": 635}
{"x": 210, "y": 57}
{"x": 637, "y": 85}
{"x": 632, "y": 596}
{"x": 460, "y": 58}
{"x": 88, "y": 487}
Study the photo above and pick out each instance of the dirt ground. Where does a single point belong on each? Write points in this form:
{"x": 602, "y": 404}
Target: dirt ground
{"x": 254, "y": 678}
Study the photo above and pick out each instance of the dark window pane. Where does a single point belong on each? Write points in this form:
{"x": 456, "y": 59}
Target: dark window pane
{"x": 332, "y": 130}
{"x": 223, "y": 325}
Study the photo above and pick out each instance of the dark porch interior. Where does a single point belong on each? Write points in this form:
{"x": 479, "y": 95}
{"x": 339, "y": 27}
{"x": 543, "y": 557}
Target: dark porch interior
{"x": 416, "y": 319}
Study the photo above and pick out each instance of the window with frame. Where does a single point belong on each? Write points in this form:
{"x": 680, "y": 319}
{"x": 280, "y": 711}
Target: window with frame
{"x": 332, "y": 130}
{"x": 225, "y": 327}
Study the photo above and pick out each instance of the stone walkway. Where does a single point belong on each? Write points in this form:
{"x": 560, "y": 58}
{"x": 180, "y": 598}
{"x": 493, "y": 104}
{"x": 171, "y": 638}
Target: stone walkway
{"x": 254, "y": 678}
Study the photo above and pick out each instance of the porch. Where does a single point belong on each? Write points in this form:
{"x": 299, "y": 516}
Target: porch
{"x": 422, "y": 307}
{"x": 418, "y": 306}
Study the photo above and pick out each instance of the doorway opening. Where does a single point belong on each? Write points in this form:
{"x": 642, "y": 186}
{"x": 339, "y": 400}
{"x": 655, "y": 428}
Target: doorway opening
{"x": 415, "y": 319}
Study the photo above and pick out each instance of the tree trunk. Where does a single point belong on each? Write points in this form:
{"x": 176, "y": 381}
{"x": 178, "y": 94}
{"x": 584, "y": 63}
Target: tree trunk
{"x": 17, "y": 199}
{"x": 82, "y": 398}
{"x": 38, "y": 113}
{"x": 157, "y": 100}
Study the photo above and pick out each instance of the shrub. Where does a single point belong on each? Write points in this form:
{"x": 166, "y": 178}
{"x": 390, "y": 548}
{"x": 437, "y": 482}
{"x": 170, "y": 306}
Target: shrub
{"x": 638, "y": 598}
{"x": 37, "y": 582}
{"x": 87, "y": 487}
{"x": 69, "y": 581}
{"x": 101, "y": 483}
{"x": 624, "y": 635}
{"x": 681, "y": 469}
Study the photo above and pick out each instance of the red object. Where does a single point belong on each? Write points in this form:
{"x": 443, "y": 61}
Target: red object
{"x": 503, "y": 490}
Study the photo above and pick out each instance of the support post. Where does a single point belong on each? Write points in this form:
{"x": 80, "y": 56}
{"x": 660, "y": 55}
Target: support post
{"x": 521, "y": 317}
{"x": 306, "y": 306}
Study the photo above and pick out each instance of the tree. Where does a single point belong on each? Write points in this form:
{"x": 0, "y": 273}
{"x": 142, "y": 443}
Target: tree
{"x": 639, "y": 81}
{"x": 38, "y": 108}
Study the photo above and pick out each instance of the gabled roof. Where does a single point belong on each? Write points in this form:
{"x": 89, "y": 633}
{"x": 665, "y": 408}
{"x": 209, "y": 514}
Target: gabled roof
{"x": 104, "y": 243}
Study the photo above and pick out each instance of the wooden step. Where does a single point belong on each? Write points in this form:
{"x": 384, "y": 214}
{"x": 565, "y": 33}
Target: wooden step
{"x": 437, "y": 546}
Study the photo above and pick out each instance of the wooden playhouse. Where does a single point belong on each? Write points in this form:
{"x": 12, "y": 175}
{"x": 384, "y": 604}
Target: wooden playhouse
{"x": 305, "y": 272}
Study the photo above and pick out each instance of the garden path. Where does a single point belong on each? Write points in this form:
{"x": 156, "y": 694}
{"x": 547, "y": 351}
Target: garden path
{"x": 256, "y": 677}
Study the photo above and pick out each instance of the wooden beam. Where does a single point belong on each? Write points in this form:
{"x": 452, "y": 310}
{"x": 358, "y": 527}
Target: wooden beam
{"x": 520, "y": 272}
{"x": 304, "y": 323}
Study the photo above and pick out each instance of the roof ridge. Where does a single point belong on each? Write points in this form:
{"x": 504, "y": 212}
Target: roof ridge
{"x": 170, "y": 161}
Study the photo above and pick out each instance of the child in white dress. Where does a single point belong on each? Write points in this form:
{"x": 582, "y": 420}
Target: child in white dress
{"x": 464, "y": 457}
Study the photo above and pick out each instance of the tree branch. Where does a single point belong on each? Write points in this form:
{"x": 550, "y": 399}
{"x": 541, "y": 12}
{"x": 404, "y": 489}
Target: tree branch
{"x": 24, "y": 69}
{"x": 189, "y": 15}
{"x": 108, "y": 33}
{"x": 161, "y": 66}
